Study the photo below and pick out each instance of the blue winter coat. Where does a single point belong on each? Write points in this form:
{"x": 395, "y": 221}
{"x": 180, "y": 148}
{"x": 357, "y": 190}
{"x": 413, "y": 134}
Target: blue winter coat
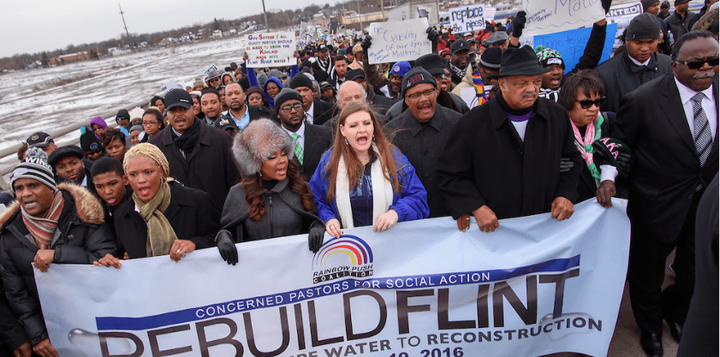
{"x": 410, "y": 204}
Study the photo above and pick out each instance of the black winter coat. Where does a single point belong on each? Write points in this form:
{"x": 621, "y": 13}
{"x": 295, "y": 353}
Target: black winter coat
{"x": 621, "y": 76}
{"x": 190, "y": 213}
{"x": 487, "y": 163}
{"x": 81, "y": 237}
{"x": 210, "y": 167}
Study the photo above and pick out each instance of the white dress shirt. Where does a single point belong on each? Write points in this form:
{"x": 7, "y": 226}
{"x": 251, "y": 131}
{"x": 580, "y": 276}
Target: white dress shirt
{"x": 708, "y": 105}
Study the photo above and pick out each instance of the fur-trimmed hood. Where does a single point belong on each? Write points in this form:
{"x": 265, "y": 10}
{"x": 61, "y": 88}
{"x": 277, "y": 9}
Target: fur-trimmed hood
{"x": 88, "y": 206}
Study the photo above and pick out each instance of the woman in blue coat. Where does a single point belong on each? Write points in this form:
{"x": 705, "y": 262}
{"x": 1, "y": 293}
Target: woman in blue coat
{"x": 364, "y": 180}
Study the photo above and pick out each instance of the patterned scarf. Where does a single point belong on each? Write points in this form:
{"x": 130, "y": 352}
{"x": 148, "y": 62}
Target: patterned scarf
{"x": 584, "y": 145}
{"x": 480, "y": 94}
{"x": 456, "y": 72}
{"x": 160, "y": 234}
{"x": 43, "y": 228}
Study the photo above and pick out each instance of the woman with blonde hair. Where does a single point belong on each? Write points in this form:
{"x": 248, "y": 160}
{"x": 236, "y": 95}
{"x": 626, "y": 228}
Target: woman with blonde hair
{"x": 163, "y": 217}
{"x": 364, "y": 180}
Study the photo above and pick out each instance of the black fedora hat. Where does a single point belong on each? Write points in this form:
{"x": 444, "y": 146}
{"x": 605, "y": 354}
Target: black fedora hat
{"x": 520, "y": 62}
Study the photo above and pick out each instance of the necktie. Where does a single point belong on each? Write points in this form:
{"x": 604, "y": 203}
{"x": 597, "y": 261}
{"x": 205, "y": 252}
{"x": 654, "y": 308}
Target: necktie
{"x": 298, "y": 149}
{"x": 701, "y": 132}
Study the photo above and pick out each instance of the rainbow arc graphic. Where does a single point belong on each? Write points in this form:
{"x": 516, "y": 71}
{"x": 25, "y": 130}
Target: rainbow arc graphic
{"x": 356, "y": 249}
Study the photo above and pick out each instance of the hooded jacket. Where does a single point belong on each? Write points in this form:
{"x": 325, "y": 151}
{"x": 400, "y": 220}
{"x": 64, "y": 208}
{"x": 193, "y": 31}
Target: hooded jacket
{"x": 81, "y": 237}
{"x": 271, "y": 101}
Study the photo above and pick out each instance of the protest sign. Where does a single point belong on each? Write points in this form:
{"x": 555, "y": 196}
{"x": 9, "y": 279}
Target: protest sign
{"x": 571, "y": 44}
{"x": 622, "y": 15}
{"x": 270, "y": 49}
{"x": 560, "y": 15}
{"x": 394, "y": 41}
{"x": 535, "y": 286}
{"x": 467, "y": 18}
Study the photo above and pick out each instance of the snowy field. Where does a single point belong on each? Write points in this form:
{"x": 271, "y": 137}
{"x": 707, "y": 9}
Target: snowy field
{"x": 39, "y": 100}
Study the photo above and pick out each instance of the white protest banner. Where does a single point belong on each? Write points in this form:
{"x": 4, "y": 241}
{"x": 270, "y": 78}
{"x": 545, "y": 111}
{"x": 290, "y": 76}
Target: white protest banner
{"x": 622, "y": 15}
{"x": 270, "y": 49}
{"x": 489, "y": 13}
{"x": 467, "y": 18}
{"x": 535, "y": 286}
{"x": 560, "y": 15}
{"x": 394, "y": 41}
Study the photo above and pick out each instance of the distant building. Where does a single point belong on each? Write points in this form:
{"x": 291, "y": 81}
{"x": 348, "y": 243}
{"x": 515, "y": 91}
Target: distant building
{"x": 69, "y": 58}
{"x": 217, "y": 34}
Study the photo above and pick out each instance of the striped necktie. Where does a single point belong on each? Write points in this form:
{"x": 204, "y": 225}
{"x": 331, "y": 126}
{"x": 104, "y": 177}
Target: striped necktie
{"x": 298, "y": 148}
{"x": 701, "y": 132}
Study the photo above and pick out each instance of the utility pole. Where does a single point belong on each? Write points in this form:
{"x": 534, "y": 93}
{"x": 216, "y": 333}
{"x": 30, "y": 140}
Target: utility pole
{"x": 360, "y": 17}
{"x": 382, "y": 8}
{"x": 124, "y": 24}
{"x": 265, "y": 15}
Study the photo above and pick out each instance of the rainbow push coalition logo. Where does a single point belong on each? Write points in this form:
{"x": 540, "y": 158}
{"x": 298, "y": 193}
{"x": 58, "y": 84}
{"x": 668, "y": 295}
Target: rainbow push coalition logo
{"x": 342, "y": 257}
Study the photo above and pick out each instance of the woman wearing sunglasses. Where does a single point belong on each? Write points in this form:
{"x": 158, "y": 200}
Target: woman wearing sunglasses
{"x": 582, "y": 94}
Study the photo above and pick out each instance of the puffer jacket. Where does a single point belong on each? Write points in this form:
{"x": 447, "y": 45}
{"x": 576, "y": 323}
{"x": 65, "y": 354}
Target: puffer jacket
{"x": 284, "y": 214}
{"x": 81, "y": 237}
{"x": 410, "y": 204}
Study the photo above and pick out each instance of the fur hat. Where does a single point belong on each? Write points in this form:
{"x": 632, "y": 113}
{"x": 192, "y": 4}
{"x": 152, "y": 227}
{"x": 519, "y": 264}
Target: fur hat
{"x": 257, "y": 142}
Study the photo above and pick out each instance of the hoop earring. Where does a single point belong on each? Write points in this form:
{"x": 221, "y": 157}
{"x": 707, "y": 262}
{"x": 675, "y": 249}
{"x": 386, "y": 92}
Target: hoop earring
{"x": 346, "y": 142}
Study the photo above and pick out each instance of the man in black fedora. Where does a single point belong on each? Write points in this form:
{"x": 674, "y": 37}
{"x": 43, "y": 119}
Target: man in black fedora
{"x": 508, "y": 164}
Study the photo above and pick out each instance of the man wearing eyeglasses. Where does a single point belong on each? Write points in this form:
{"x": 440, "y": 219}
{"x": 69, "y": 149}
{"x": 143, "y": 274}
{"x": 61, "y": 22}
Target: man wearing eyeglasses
{"x": 310, "y": 141}
{"x": 639, "y": 64}
{"x": 671, "y": 126}
{"x": 422, "y": 131}
{"x": 503, "y": 159}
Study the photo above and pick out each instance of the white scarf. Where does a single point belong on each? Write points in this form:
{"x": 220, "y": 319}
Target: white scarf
{"x": 382, "y": 192}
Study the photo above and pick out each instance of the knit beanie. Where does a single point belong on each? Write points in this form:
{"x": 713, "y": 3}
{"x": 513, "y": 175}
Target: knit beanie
{"x": 642, "y": 27}
{"x": 549, "y": 56}
{"x": 285, "y": 95}
{"x": 416, "y": 76}
{"x": 647, "y": 3}
{"x": 35, "y": 167}
{"x": 400, "y": 68}
{"x": 301, "y": 80}
{"x": 88, "y": 140}
{"x": 257, "y": 142}
{"x": 150, "y": 152}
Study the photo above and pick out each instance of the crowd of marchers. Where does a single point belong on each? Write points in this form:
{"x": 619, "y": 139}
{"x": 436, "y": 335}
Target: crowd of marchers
{"x": 334, "y": 142}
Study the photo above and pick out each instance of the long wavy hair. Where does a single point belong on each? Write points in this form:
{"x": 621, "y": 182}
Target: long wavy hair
{"x": 254, "y": 189}
{"x": 352, "y": 162}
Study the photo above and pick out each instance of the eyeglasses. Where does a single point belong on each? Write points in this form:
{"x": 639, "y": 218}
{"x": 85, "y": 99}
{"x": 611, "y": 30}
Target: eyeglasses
{"x": 587, "y": 103}
{"x": 427, "y": 94}
{"x": 698, "y": 64}
{"x": 288, "y": 108}
{"x": 150, "y": 123}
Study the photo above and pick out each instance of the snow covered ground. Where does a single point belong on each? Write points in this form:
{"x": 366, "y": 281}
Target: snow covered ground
{"x": 37, "y": 100}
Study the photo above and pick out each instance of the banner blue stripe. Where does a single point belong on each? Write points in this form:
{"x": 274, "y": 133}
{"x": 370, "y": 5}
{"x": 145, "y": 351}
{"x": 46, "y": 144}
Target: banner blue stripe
{"x": 313, "y": 292}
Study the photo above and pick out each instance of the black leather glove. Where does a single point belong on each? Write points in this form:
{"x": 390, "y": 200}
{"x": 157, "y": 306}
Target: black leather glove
{"x": 365, "y": 44}
{"x": 315, "y": 238}
{"x": 606, "y": 5}
{"x": 566, "y": 164}
{"x": 624, "y": 162}
{"x": 432, "y": 35}
{"x": 518, "y": 24}
{"x": 473, "y": 62}
{"x": 227, "y": 248}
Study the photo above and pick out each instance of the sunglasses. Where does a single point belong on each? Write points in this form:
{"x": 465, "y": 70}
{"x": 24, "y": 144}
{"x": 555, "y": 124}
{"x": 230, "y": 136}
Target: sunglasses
{"x": 587, "y": 103}
{"x": 698, "y": 64}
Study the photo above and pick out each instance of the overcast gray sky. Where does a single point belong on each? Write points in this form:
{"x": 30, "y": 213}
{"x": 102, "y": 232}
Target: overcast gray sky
{"x": 33, "y": 26}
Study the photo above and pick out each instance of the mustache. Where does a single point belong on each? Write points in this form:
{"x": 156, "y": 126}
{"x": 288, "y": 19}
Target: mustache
{"x": 529, "y": 95}
{"x": 703, "y": 75}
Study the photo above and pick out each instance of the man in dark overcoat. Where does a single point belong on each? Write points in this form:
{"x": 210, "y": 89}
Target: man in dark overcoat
{"x": 671, "y": 126}
{"x": 199, "y": 155}
{"x": 504, "y": 159}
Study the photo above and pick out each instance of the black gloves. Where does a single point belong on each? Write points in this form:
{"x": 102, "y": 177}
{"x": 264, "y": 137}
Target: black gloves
{"x": 226, "y": 246}
{"x": 365, "y": 44}
{"x": 315, "y": 238}
{"x": 565, "y": 164}
{"x": 432, "y": 35}
{"x": 624, "y": 163}
{"x": 606, "y": 5}
{"x": 518, "y": 24}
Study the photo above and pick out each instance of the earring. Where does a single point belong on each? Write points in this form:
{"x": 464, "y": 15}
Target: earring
{"x": 373, "y": 137}
{"x": 346, "y": 142}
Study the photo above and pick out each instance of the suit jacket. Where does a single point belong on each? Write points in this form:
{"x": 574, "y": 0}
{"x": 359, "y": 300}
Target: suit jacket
{"x": 486, "y": 162}
{"x": 667, "y": 170}
{"x": 190, "y": 213}
{"x": 255, "y": 112}
{"x": 318, "y": 139}
{"x": 323, "y": 111}
{"x": 210, "y": 167}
